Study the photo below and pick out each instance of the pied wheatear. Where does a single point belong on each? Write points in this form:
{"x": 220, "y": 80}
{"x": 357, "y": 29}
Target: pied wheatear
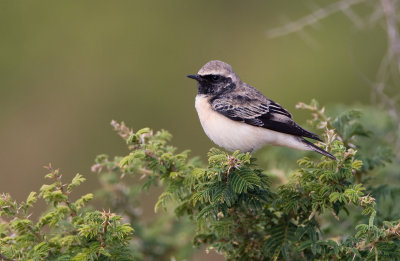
{"x": 236, "y": 116}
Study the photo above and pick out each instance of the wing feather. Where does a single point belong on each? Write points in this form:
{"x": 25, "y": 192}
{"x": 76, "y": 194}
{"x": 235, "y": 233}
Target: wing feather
{"x": 260, "y": 112}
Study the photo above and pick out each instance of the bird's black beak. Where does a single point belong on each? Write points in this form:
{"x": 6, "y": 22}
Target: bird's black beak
{"x": 194, "y": 76}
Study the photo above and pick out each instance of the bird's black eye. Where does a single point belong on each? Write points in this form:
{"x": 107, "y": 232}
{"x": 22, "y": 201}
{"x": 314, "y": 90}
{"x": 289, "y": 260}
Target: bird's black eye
{"x": 216, "y": 78}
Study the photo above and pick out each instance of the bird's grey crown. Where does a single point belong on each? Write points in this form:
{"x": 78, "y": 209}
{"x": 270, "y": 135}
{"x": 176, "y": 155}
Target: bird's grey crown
{"x": 216, "y": 67}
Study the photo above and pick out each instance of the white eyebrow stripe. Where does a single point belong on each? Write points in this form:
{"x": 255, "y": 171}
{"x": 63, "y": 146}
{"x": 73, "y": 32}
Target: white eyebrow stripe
{"x": 215, "y": 72}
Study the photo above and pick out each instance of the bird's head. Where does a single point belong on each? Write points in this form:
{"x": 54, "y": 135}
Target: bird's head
{"x": 215, "y": 77}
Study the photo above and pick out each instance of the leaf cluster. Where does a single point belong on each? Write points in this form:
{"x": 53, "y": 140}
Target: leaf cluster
{"x": 325, "y": 209}
{"x": 68, "y": 230}
{"x": 238, "y": 214}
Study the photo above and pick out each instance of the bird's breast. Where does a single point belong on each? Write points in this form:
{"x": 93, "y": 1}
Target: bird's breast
{"x": 229, "y": 134}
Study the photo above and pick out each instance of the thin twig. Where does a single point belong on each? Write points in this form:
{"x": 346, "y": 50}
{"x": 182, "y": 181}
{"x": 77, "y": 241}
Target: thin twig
{"x": 389, "y": 10}
{"x": 311, "y": 19}
{"x": 106, "y": 216}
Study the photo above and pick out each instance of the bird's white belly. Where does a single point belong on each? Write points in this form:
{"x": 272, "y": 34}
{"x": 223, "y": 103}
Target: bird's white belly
{"x": 234, "y": 135}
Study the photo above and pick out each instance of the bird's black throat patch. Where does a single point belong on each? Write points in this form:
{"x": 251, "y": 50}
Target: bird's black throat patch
{"x": 214, "y": 84}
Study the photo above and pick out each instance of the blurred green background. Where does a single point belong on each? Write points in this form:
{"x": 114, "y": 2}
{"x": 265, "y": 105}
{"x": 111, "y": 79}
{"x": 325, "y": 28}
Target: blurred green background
{"x": 67, "y": 68}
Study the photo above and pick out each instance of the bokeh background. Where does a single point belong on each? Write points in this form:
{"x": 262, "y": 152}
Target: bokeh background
{"x": 67, "y": 68}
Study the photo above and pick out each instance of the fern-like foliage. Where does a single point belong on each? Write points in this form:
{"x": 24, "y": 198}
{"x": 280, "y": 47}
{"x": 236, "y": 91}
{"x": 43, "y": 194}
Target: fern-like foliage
{"x": 319, "y": 210}
{"x": 238, "y": 214}
{"x": 66, "y": 231}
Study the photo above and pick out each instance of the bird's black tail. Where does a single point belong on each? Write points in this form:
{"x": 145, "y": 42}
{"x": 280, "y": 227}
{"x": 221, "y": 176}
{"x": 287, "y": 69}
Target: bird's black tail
{"x": 314, "y": 147}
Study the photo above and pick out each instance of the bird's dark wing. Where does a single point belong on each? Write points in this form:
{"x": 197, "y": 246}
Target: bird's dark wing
{"x": 259, "y": 111}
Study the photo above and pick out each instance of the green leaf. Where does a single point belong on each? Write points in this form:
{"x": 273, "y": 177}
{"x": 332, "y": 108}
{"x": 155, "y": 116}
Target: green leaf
{"x": 32, "y": 198}
{"x": 243, "y": 179}
{"x": 76, "y": 181}
{"x": 162, "y": 201}
{"x": 357, "y": 164}
{"x": 81, "y": 202}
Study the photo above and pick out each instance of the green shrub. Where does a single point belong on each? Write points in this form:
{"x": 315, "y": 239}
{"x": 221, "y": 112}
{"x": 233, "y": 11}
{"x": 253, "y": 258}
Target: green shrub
{"x": 323, "y": 209}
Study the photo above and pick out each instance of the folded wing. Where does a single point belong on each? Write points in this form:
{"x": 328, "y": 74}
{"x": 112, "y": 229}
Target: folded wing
{"x": 259, "y": 111}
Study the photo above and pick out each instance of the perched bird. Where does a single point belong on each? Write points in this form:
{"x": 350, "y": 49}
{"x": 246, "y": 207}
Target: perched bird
{"x": 236, "y": 116}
